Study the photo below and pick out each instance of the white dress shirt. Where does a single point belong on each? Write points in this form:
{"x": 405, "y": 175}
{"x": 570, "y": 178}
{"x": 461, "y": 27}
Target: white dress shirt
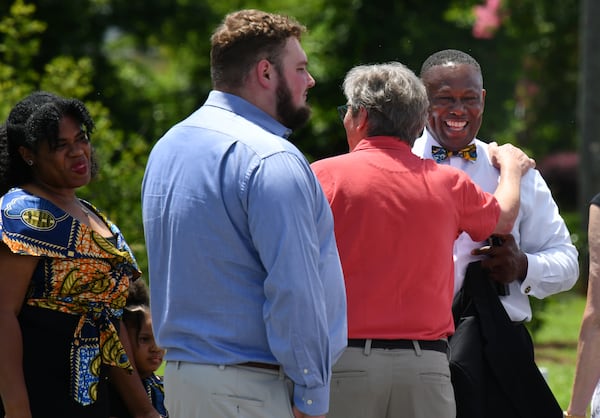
{"x": 539, "y": 231}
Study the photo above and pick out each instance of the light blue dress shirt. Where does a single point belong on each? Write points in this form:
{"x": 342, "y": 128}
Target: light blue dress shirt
{"x": 242, "y": 257}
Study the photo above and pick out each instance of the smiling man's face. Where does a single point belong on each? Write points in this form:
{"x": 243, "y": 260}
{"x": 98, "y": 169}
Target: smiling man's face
{"x": 456, "y": 102}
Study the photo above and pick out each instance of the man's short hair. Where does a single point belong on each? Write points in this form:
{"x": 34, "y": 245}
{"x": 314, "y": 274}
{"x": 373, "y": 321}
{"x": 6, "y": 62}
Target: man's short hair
{"x": 449, "y": 56}
{"x": 244, "y": 38}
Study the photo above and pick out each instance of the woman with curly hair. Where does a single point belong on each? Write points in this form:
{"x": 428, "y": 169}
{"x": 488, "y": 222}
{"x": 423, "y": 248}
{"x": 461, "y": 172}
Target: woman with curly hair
{"x": 65, "y": 274}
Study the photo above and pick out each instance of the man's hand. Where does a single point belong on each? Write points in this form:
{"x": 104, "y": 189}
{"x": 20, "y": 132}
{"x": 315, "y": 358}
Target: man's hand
{"x": 505, "y": 154}
{"x": 298, "y": 414}
{"x": 505, "y": 262}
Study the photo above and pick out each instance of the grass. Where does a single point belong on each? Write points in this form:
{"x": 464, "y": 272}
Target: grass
{"x": 556, "y": 342}
{"x": 161, "y": 370}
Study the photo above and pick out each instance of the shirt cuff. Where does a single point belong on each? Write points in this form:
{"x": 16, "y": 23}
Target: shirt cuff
{"x": 313, "y": 401}
{"x": 534, "y": 269}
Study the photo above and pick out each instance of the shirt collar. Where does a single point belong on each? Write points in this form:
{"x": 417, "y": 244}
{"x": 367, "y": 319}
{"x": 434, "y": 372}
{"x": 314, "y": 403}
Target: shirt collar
{"x": 248, "y": 111}
{"x": 388, "y": 142}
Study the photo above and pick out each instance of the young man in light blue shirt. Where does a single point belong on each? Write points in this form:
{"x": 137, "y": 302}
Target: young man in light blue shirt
{"x": 246, "y": 285}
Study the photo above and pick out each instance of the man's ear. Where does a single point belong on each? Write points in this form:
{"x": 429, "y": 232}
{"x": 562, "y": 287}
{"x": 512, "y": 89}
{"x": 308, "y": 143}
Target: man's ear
{"x": 265, "y": 73}
{"x": 362, "y": 118}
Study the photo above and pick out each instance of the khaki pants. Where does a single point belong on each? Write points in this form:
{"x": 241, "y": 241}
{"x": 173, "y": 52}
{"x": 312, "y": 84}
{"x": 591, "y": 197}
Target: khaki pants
{"x": 208, "y": 391}
{"x": 399, "y": 383}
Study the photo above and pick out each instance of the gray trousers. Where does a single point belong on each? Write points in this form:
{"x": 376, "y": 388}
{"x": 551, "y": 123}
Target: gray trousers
{"x": 207, "y": 391}
{"x": 399, "y": 383}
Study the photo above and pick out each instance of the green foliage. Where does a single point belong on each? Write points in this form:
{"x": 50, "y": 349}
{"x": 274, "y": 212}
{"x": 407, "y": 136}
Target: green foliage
{"x": 121, "y": 156}
{"x": 20, "y": 42}
{"x": 68, "y": 76}
{"x": 533, "y": 96}
{"x": 151, "y": 67}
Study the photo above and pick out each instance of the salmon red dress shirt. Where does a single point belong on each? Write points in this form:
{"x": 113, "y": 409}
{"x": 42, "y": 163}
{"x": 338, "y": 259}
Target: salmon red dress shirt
{"x": 396, "y": 217}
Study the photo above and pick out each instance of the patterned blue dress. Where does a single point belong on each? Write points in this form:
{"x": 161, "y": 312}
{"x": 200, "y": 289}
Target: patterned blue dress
{"x": 69, "y": 319}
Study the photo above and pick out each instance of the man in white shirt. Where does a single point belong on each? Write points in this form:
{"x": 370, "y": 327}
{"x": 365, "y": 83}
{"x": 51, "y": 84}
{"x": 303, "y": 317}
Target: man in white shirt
{"x": 538, "y": 259}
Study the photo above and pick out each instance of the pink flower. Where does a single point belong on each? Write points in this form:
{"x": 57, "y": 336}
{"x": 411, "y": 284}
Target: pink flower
{"x": 487, "y": 19}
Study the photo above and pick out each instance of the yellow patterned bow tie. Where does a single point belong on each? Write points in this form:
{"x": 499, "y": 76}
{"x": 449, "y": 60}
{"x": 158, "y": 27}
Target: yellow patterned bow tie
{"x": 439, "y": 154}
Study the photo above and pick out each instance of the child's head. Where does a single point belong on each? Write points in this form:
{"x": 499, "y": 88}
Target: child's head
{"x": 136, "y": 316}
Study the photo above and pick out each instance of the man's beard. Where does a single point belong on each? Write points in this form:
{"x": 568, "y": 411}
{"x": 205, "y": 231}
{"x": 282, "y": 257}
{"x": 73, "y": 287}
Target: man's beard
{"x": 290, "y": 116}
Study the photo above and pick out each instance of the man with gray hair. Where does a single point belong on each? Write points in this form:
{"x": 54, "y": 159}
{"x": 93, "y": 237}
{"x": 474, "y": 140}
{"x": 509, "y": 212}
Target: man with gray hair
{"x": 396, "y": 217}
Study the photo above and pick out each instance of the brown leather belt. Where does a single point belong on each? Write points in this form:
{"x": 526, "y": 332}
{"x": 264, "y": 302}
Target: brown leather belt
{"x": 258, "y": 365}
{"x": 435, "y": 345}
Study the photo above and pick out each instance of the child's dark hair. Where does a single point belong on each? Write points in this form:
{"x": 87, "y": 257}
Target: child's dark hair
{"x": 137, "y": 306}
{"x": 139, "y": 294}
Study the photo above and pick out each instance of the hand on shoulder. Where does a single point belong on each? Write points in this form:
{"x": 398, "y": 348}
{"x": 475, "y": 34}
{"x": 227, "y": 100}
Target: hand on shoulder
{"x": 507, "y": 155}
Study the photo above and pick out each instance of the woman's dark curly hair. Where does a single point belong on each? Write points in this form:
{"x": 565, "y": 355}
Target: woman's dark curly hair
{"x": 31, "y": 121}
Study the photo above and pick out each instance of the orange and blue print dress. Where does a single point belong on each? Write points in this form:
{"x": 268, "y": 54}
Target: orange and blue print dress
{"x": 81, "y": 274}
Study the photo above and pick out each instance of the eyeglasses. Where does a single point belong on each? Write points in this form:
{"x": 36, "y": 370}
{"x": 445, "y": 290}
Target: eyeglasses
{"x": 342, "y": 110}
